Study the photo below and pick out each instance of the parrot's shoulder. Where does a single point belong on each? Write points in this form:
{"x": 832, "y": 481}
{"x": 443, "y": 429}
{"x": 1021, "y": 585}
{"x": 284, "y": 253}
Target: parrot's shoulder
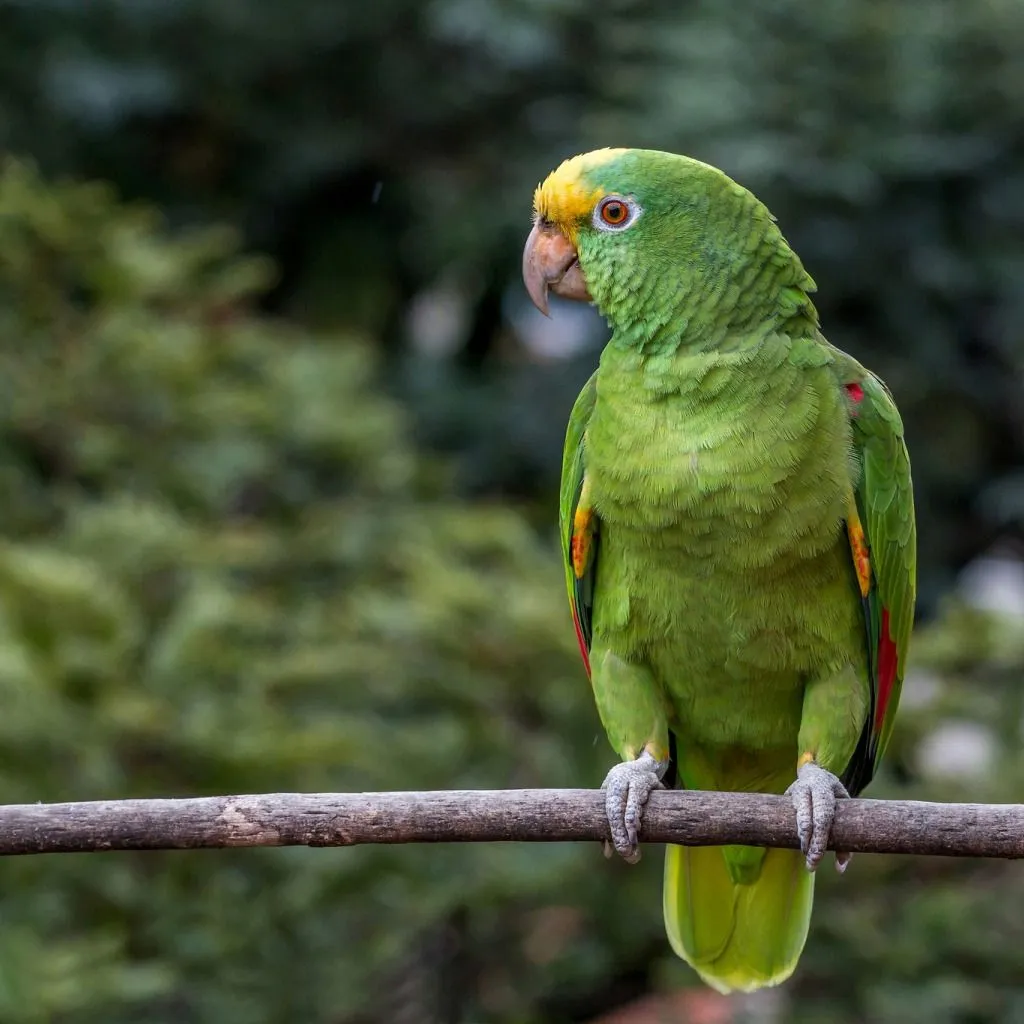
{"x": 579, "y": 419}
{"x": 873, "y": 407}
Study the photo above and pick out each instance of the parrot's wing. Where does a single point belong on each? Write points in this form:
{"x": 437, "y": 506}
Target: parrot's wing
{"x": 578, "y": 525}
{"x": 883, "y": 545}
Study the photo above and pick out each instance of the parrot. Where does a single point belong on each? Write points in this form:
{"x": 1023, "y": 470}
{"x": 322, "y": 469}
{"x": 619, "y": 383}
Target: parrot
{"x": 737, "y": 527}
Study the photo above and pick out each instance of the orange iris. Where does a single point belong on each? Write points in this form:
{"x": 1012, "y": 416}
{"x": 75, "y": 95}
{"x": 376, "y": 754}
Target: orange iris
{"x": 614, "y": 212}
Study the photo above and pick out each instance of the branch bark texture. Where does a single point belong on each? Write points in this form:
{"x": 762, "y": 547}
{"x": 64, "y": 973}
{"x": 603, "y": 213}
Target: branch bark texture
{"x": 528, "y": 815}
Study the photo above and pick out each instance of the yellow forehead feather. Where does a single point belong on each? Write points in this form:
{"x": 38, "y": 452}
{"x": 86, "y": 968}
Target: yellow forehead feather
{"x": 565, "y": 197}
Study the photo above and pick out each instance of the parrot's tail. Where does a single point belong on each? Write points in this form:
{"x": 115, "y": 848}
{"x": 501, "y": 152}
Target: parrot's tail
{"x": 740, "y": 929}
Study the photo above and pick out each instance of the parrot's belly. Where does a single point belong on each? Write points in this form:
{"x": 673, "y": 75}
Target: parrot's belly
{"x": 724, "y": 564}
{"x": 732, "y": 649}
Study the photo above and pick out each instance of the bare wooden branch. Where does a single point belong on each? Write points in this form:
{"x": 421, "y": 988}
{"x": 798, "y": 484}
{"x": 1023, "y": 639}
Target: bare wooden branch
{"x": 526, "y": 815}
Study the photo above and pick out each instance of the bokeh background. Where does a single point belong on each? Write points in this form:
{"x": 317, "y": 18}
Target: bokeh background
{"x": 279, "y": 443}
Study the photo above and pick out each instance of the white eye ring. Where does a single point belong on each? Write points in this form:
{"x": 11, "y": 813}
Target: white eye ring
{"x": 616, "y": 213}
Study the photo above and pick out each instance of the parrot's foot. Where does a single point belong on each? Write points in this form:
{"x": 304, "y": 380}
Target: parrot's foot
{"x": 627, "y": 787}
{"x": 814, "y": 796}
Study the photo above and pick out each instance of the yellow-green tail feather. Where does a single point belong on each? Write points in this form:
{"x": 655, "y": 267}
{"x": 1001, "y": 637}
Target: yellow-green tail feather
{"x": 738, "y": 937}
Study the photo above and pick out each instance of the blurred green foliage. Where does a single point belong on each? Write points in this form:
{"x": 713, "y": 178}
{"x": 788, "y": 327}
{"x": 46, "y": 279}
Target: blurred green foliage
{"x": 380, "y": 151}
{"x": 232, "y": 559}
{"x": 225, "y": 569}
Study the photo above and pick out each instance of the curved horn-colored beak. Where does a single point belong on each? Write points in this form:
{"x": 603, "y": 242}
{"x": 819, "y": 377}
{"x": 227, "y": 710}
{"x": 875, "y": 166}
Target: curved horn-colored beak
{"x": 550, "y": 262}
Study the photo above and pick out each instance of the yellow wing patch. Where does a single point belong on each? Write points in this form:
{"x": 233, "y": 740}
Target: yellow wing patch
{"x": 859, "y": 549}
{"x": 564, "y": 197}
{"x": 582, "y": 522}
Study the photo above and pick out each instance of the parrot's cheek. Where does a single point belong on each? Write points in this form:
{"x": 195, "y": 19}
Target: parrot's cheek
{"x": 550, "y": 262}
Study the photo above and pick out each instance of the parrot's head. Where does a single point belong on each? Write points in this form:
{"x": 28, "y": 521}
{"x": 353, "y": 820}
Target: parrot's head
{"x": 650, "y": 238}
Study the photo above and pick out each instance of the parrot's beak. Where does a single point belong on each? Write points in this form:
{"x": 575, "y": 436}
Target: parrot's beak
{"x": 550, "y": 262}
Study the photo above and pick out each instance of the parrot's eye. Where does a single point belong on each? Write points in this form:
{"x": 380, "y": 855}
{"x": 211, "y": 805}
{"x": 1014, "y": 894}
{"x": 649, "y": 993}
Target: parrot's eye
{"x": 614, "y": 213}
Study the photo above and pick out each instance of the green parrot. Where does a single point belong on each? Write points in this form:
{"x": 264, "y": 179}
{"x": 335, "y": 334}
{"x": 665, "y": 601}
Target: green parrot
{"x": 737, "y": 525}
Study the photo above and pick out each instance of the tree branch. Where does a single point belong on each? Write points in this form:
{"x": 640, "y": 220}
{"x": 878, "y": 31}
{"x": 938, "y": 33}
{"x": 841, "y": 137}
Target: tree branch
{"x": 526, "y": 815}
